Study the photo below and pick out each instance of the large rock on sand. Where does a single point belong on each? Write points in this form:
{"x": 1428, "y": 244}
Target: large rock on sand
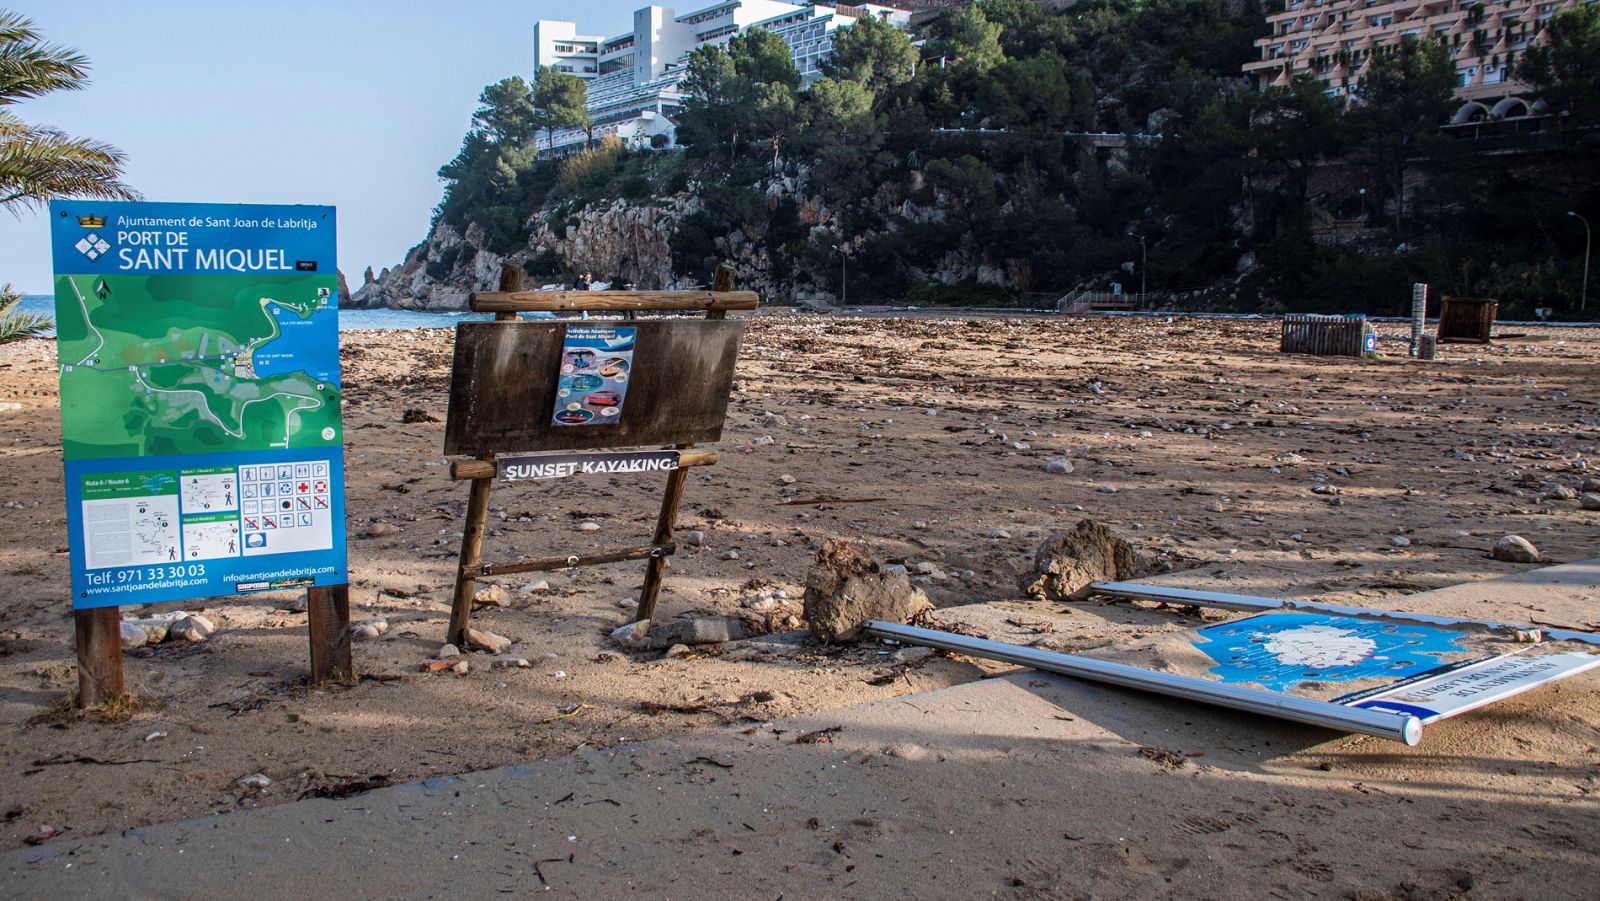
{"x": 1067, "y": 562}
{"x": 845, "y": 589}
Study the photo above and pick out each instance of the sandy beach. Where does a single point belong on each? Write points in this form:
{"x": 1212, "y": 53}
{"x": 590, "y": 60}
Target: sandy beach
{"x": 1228, "y": 464}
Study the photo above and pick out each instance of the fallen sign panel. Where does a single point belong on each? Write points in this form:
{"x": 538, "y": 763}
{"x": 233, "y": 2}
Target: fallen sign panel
{"x": 1431, "y": 698}
{"x": 1395, "y": 726}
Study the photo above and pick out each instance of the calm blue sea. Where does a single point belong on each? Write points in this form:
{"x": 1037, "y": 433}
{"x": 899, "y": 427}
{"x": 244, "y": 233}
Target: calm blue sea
{"x": 348, "y": 319}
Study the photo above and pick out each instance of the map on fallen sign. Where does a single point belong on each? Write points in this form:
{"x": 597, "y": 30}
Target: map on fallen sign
{"x": 1279, "y": 651}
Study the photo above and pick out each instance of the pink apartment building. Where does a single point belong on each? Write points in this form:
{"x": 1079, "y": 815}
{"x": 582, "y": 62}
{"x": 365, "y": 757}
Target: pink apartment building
{"x": 1337, "y": 40}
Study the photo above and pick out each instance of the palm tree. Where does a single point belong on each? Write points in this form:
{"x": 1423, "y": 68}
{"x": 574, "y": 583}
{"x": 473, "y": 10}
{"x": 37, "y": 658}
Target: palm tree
{"x": 38, "y": 162}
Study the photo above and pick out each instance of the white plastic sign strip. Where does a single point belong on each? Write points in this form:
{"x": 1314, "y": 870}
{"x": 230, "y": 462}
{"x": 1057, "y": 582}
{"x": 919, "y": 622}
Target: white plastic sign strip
{"x": 1433, "y": 698}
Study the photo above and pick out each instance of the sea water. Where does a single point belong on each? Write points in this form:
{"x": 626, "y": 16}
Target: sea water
{"x": 348, "y": 319}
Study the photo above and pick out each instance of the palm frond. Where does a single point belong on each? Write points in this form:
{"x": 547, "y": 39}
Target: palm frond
{"x": 15, "y": 326}
{"x": 38, "y": 162}
{"x": 29, "y": 67}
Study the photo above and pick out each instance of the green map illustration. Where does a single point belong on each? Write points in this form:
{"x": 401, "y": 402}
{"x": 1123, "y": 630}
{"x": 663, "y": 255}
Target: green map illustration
{"x": 204, "y": 372}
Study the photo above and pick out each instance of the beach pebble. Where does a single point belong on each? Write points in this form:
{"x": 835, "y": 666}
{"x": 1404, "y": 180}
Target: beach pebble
{"x": 631, "y": 635}
{"x": 1559, "y": 492}
{"x": 1107, "y": 489}
{"x": 628, "y": 603}
{"x": 363, "y": 633}
{"x": 730, "y": 555}
{"x": 484, "y": 640}
{"x": 786, "y": 479}
{"x": 679, "y": 650}
{"x": 998, "y": 534}
{"x": 1515, "y": 549}
{"x": 588, "y": 525}
{"x": 773, "y": 420}
{"x": 256, "y": 781}
{"x": 912, "y": 655}
{"x": 512, "y": 663}
{"x": 1592, "y": 483}
{"x": 535, "y": 587}
{"x": 133, "y": 636}
{"x": 1590, "y": 500}
{"x": 492, "y": 596}
{"x": 1400, "y": 541}
{"x": 378, "y": 623}
{"x": 694, "y": 538}
{"x": 763, "y": 440}
{"x": 1059, "y": 466}
{"x": 461, "y": 668}
{"x": 446, "y": 651}
{"x": 379, "y": 530}
{"x": 191, "y": 628}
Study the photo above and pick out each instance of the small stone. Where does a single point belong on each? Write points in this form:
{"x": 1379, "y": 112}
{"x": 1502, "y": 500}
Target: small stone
{"x": 786, "y": 479}
{"x": 484, "y": 640}
{"x": 679, "y": 650}
{"x": 379, "y": 530}
{"x": 512, "y": 663}
{"x": 912, "y": 655}
{"x": 695, "y": 538}
{"x": 588, "y": 525}
{"x": 632, "y": 635}
{"x": 133, "y": 636}
{"x": 1400, "y": 541}
{"x": 897, "y": 569}
{"x": 1590, "y": 500}
{"x": 773, "y": 420}
{"x": 191, "y": 628}
{"x": 628, "y": 603}
{"x": 535, "y": 587}
{"x": 1559, "y": 492}
{"x": 927, "y": 568}
{"x": 447, "y": 651}
{"x": 1592, "y": 483}
{"x": 377, "y": 622}
{"x": 1059, "y": 466}
{"x": 256, "y": 781}
{"x": 1515, "y": 549}
{"x": 921, "y": 525}
{"x": 763, "y": 440}
{"x": 461, "y": 668}
{"x": 730, "y": 555}
{"x": 155, "y": 736}
{"x": 998, "y": 534}
{"x": 492, "y": 596}
{"x": 363, "y": 633}
{"x": 1107, "y": 489}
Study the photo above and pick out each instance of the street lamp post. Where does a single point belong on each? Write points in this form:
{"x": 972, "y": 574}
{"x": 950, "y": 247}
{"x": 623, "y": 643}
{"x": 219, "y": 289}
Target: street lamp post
{"x": 1588, "y": 243}
{"x": 844, "y": 284}
{"x": 1144, "y": 259}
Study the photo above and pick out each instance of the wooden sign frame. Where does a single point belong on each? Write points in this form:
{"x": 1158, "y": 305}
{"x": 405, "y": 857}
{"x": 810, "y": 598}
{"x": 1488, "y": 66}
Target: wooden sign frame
{"x": 483, "y": 468}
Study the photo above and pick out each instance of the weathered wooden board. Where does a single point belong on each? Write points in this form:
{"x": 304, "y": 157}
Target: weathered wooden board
{"x": 503, "y": 387}
{"x": 558, "y": 301}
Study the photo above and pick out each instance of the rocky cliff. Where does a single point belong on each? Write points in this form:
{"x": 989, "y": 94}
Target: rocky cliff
{"x": 632, "y": 238}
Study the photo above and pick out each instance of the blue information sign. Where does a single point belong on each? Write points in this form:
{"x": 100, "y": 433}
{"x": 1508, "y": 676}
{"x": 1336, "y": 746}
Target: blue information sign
{"x": 199, "y": 362}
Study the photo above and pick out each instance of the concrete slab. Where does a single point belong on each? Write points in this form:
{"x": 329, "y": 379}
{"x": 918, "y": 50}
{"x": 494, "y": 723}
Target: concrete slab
{"x": 1025, "y": 786}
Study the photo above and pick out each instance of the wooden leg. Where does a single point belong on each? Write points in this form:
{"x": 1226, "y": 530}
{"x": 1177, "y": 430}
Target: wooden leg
{"x": 471, "y": 548}
{"x": 657, "y": 566}
{"x": 99, "y": 638}
{"x": 328, "y": 620}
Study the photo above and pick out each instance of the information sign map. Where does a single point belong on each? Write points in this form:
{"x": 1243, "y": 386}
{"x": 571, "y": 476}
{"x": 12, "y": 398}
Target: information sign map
{"x": 199, "y": 368}
{"x": 1278, "y": 651}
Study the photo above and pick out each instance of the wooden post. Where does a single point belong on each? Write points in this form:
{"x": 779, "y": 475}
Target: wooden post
{"x": 471, "y": 549}
{"x": 657, "y": 567}
{"x": 328, "y": 621}
{"x": 510, "y": 283}
{"x": 99, "y": 639}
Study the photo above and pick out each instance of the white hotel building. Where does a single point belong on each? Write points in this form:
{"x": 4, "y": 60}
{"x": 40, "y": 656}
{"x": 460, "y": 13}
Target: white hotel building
{"x": 633, "y": 77}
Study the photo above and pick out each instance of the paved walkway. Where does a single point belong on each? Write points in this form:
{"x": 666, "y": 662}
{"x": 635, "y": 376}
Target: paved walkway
{"x": 1025, "y": 786}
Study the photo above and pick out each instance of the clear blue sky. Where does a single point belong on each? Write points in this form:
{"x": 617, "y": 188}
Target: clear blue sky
{"x": 354, "y": 103}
